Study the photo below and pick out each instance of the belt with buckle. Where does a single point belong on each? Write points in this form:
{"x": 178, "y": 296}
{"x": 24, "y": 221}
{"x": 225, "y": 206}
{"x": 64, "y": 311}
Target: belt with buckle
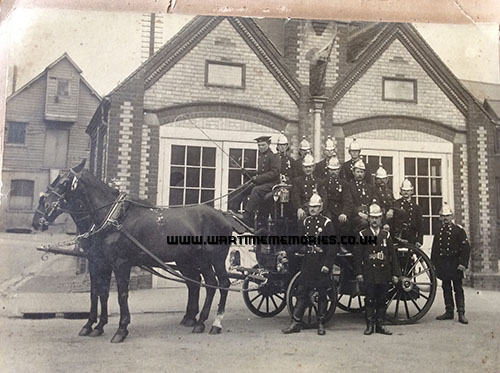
{"x": 380, "y": 255}
{"x": 313, "y": 249}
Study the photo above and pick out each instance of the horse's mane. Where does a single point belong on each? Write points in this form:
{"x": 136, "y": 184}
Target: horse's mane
{"x": 104, "y": 188}
{"x": 100, "y": 186}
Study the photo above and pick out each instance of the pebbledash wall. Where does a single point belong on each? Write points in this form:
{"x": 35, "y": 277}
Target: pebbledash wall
{"x": 170, "y": 90}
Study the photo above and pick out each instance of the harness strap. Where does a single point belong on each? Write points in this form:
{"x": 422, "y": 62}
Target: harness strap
{"x": 109, "y": 219}
{"x": 169, "y": 269}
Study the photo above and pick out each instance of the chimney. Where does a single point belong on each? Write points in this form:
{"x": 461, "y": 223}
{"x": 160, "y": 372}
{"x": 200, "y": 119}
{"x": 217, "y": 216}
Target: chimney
{"x": 12, "y": 80}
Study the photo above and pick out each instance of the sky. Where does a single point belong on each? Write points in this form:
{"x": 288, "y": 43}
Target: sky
{"x": 106, "y": 46}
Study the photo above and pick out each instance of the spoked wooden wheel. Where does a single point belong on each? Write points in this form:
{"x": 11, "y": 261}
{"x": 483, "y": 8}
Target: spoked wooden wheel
{"x": 346, "y": 301}
{"x": 353, "y": 304}
{"x": 310, "y": 319}
{"x": 268, "y": 301}
{"x": 412, "y": 297}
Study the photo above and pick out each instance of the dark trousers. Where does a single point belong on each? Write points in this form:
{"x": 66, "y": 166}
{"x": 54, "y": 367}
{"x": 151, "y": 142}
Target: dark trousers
{"x": 459, "y": 295}
{"x": 303, "y": 297}
{"x": 375, "y": 298}
{"x": 256, "y": 194}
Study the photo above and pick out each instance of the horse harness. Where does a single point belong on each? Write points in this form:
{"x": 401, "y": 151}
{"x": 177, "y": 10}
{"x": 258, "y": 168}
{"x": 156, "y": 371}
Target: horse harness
{"x": 113, "y": 219}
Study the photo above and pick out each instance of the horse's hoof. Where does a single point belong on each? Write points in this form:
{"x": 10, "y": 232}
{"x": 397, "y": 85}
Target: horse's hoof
{"x": 215, "y": 330}
{"x": 97, "y": 332}
{"x": 85, "y": 332}
{"x": 199, "y": 328}
{"x": 119, "y": 336}
{"x": 189, "y": 322}
{"x": 183, "y": 321}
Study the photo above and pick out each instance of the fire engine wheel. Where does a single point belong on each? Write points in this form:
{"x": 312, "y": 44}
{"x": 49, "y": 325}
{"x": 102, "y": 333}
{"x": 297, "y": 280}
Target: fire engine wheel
{"x": 346, "y": 301}
{"x": 268, "y": 301}
{"x": 310, "y": 319}
{"x": 412, "y": 297}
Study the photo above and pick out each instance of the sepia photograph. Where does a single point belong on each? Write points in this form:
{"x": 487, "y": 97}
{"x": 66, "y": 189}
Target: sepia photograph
{"x": 212, "y": 193}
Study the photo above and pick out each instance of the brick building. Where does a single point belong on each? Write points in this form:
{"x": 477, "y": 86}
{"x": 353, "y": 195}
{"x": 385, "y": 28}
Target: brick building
{"x": 165, "y": 132}
{"x": 45, "y": 132}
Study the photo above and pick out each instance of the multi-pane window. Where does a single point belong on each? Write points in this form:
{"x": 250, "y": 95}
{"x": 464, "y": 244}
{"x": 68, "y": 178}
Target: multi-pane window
{"x": 16, "y": 132}
{"x": 192, "y": 175}
{"x": 374, "y": 162}
{"x": 21, "y": 194}
{"x": 426, "y": 176}
{"x": 246, "y": 158}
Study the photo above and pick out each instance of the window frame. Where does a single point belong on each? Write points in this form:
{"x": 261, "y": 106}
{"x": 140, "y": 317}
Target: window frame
{"x": 9, "y": 124}
{"x": 12, "y": 194}
{"x": 63, "y": 80}
{"x": 415, "y": 90}
{"x": 224, "y": 63}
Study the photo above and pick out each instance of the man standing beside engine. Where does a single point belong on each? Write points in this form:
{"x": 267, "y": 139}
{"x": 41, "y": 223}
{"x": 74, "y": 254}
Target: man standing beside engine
{"x": 316, "y": 266}
{"x": 376, "y": 264}
{"x": 450, "y": 255}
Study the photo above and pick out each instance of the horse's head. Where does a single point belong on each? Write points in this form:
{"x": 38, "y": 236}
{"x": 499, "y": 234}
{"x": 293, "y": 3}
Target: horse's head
{"x": 57, "y": 198}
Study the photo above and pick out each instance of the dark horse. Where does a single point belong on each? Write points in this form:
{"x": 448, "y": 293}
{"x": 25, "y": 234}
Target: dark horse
{"x": 99, "y": 268}
{"x": 151, "y": 227}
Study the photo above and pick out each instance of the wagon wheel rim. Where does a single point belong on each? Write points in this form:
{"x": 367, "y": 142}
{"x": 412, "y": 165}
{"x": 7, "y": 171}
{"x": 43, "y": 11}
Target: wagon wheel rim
{"x": 265, "y": 302}
{"x": 347, "y": 302}
{"x": 309, "y": 320}
{"x": 350, "y": 303}
{"x": 412, "y": 297}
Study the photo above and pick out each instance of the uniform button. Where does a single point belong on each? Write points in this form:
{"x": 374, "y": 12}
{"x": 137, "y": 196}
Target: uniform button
{"x": 374, "y": 265}
{"x": 382, "y": 265}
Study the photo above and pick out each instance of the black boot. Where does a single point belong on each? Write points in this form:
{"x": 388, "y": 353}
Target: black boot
{"x": 293, "y": 328}
{"x": 298, "y": 313}
{"x": 322, "y": 306}
{"x": 370, "y": 320}
{"x": 448, "y": 315}
{"x": 321, "y": 327}
{"x": 461, "y": 317}
{"x": 460, "y": 300}
{"x": 380, "y": 327}
{"x": 448, "y": 302}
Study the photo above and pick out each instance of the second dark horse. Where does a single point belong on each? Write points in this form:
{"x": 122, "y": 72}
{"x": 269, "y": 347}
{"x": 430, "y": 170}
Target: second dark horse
{"x": 150, "y": 226}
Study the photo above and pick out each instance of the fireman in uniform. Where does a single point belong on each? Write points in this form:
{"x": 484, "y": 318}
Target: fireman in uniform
{"x": 321, "y": 169}
{"x": 408, "y": 222}
{"x": 316, "y": 266}
{"x": 375, "y": 265}
{"x": 304, "y": 149}
{"x": 303, "y": 187}
{"x": 266, "y": 176}
{"x": 289, "y": 169}
{"x": 385, "y": 197}
{"x": 450, "y": 256}
{"x": 339, "y": 204}
{"x": 346, "y": 171}
{"x": 362, "y": 194}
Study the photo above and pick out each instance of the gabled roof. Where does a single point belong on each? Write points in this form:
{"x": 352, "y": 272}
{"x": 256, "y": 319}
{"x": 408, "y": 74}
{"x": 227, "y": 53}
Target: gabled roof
{"x": 195, "y": 30}
{"x": 373, "y": 43}
{"x": 63, "y": 56}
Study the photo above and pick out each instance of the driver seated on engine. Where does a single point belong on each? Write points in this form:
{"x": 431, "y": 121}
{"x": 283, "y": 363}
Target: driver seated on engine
{"x": 266, "y": 176}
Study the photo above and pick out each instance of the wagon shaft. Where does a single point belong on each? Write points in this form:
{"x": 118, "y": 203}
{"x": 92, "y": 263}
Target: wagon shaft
{"x": 73, "y": 252}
